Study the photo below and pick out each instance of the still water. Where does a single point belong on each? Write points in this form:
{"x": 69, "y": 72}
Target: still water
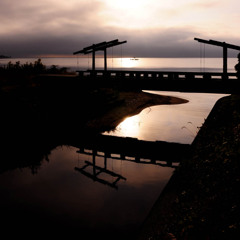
{"x": 60, "y": 197}
{"x": 172, "y": 123}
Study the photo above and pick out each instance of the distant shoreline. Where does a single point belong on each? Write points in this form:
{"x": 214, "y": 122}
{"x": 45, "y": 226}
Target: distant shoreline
{"x": 4, "y": 57}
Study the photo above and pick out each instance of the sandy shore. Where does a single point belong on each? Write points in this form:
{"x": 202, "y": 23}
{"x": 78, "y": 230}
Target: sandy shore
{"x": 133, "y": 103}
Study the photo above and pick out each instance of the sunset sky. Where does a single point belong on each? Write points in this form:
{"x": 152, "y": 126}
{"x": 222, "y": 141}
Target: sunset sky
{"x": 153, "y": 28}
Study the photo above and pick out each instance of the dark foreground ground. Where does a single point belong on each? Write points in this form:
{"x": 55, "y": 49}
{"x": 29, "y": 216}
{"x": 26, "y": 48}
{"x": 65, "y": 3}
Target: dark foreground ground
{"x": 42, "y": 112}
{"x": 202, "y": 200}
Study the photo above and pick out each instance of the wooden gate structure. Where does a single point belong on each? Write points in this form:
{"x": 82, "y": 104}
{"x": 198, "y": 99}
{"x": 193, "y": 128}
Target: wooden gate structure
{"x": 99, "y": 47}
{"x": 225, "y": 47}
{"x": 208, "y": 82}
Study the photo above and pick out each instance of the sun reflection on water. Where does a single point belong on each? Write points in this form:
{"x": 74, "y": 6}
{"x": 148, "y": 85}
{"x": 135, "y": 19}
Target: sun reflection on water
{"x": 129, "y": 63}
{"x": 172, "y": 123}
{"x": 130, "y": 126}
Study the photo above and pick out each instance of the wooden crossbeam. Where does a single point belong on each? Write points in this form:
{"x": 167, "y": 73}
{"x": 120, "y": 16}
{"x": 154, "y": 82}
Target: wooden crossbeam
{"x": 218, "y": 43}
{"x": 93, "y": 46}
{"x": 105, "y": 46}
{"x": 99, "y": 46}
{"x": 88, "y": 48}
{"x": 201, "y": 40}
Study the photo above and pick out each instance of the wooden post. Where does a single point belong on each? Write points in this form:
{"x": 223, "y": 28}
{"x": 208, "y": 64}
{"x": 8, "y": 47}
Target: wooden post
{"x": 224, "y": 59}
{"x": 93, "y": 60}
{"x": 105, "y": 59}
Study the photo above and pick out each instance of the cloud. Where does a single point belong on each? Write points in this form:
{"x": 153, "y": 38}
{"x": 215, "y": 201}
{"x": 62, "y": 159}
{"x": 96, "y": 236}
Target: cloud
{"x": 30, "y": 28}
{"x": 207, "y": 4}
{"x": 162, "y": 42}
{"x": 36, "y": 16}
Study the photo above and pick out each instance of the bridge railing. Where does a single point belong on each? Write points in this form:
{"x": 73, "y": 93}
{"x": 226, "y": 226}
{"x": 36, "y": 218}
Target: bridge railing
{"x": 117, "y": 74}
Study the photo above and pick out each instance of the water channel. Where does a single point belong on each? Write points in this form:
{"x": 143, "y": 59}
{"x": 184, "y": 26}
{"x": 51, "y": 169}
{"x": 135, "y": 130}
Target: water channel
{"x": 94, "y": 195}
{"x": 172, "y": 123}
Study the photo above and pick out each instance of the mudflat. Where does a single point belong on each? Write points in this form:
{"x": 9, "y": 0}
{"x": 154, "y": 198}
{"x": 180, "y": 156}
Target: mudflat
{"x": 132, "y": 104}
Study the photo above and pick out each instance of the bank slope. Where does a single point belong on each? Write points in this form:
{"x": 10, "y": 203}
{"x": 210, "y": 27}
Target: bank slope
{"x": 201, "y": 200}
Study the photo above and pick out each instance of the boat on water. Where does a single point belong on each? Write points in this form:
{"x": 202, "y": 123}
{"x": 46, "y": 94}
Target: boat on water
{"x": 134, "y": 58}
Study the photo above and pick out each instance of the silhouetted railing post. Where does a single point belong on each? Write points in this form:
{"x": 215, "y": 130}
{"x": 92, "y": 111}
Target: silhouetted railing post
{"x": 225, "y": 55}
{"x": 206, "y": 76}
{"x": 93, "y": 60}
{"x": 203, "y": 81}
{"x": 105, "y": 59}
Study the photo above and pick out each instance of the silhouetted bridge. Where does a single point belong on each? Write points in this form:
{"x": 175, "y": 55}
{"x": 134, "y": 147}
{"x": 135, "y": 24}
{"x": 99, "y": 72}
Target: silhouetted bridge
{"x": 131, "y": 149}
{"x": 215, "y": 82}
{"x": 166, "y": 81}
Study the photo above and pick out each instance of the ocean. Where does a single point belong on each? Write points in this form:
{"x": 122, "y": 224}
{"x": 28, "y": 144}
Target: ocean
{"x": 148, "y": 64}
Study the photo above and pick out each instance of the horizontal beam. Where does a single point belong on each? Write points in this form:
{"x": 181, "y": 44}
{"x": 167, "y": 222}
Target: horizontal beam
{"x": 204, "y": 82}
{"x": 90, "y": 47}
{"x": 231, "y": 46}
{"x": 96, "y": 47}
{"x": 159, "y": 74}
{"x": 217, "y": 43}
{"x": 201, "y": 40}
{"x": 99, "y": 47}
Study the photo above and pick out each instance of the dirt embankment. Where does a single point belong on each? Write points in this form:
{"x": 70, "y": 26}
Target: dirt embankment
{"x": 201, "y": 200}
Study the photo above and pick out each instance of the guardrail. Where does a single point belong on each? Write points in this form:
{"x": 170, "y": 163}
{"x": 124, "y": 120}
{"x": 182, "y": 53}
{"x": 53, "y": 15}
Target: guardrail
{"x": 118, "y": 74}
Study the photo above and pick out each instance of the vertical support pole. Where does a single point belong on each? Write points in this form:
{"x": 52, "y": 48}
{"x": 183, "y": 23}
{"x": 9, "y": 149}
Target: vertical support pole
{"x": 93, "y": 60}
{"x": 224, "y": 60}
{"x": 105, "y": 59}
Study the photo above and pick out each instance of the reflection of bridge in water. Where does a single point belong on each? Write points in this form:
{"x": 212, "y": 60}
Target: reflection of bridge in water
{"x": 159, "y": 153}
{"x": 97, "y": 170}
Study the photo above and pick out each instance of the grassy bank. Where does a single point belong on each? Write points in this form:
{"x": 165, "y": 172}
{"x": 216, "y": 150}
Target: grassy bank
{"x": 201, "y": 201}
